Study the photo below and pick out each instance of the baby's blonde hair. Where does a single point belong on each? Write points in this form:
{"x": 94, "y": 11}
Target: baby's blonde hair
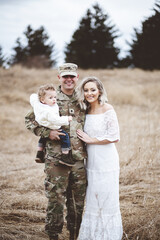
{"x": 43, "y": 89}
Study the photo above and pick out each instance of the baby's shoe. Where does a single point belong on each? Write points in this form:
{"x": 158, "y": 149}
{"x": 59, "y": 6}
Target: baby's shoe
{"x": 39, "y": 157}
{"x": 67, "y": 160}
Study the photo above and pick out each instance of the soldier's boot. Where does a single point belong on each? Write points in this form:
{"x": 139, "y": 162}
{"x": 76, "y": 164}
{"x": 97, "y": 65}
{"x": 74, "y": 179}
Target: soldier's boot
{"x": 72, "y": 236}
{"x": 67, "y": 160}
{"x": 53, "y": 237}
{"x": 40, "y": 157}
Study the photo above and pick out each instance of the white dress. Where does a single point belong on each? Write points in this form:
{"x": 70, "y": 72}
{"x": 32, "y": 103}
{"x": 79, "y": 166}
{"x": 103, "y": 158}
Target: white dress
{"x": 102, "y": 217}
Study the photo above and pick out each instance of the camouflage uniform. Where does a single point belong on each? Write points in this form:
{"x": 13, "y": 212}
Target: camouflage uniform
{"x": 63, "y": 182}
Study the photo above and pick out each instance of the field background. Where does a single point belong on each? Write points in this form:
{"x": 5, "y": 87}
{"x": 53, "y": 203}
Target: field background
{"x": 135, "y": 95}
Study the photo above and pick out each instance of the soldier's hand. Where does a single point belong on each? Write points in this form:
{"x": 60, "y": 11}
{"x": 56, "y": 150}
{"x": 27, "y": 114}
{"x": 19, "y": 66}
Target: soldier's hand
{"x": 54, "y": 134}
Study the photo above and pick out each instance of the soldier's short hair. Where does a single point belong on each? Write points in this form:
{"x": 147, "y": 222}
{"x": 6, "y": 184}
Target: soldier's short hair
{"x": 43, "y": 89}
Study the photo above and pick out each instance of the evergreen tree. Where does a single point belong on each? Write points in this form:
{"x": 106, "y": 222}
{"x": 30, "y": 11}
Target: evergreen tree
{"x": 20, "y": 56}
{"x": 37, "y": 52}
{"x": 2, "y": 58}
{"x": 145, "y": 47}
{"x": 92, "y": 44}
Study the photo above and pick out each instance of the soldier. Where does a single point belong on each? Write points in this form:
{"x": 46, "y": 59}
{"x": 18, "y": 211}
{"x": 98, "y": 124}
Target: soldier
{"x": 63, "y": 184}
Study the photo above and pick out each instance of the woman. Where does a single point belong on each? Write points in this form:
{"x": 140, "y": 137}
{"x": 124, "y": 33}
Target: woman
{"x": 102, "y": 217}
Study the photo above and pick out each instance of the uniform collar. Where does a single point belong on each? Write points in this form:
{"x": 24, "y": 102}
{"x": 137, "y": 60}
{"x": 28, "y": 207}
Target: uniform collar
{"x": 63, "y": 96}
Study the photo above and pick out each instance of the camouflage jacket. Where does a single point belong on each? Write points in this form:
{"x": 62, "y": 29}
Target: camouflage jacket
{"x": 68, "y": 105}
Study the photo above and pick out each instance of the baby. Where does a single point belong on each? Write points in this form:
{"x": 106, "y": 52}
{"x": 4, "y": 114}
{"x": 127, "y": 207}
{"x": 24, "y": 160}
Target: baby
{"x": 46, "y": 112}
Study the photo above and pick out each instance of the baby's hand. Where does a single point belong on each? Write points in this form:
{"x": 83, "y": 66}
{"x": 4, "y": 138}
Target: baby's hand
{"x": 70, "y": 118}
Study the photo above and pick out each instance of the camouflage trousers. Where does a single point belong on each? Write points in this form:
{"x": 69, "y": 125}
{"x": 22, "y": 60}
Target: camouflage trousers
{"x": 64, "y": 185}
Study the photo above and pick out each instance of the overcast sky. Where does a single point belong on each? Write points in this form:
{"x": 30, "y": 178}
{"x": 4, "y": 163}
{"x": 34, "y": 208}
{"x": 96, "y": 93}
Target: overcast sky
{"x": 61, "y": 18}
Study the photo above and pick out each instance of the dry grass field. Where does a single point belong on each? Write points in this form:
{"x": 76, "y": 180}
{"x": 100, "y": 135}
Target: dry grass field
{"x": 135, "y": 95}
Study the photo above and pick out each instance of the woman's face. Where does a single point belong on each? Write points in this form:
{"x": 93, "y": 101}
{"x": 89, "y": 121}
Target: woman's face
{"x": 91, "y": 92}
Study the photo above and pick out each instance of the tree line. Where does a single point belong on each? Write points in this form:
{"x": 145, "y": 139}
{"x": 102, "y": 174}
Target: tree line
{"x": 92, "y": 45}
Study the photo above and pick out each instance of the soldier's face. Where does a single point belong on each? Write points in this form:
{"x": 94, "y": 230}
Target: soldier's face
{"x": 68, "y": 83}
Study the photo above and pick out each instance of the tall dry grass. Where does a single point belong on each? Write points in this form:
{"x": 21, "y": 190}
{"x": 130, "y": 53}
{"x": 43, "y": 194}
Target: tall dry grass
{"x": 135, "y": 95}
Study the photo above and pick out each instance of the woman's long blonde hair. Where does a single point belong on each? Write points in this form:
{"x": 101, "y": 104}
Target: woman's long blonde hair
{"x": 80, "y": 92}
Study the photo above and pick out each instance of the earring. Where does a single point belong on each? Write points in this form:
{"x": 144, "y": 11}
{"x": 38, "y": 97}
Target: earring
{"x": 99, "y": 98}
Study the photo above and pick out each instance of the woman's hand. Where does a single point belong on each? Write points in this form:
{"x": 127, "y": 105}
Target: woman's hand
{"x": 84, "y": 137}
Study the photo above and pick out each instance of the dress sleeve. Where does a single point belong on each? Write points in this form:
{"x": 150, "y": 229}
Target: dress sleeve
{"x": 111, "y": 132}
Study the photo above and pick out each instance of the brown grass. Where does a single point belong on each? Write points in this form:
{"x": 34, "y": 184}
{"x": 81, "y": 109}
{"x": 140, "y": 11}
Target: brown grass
{"x": 135, "y": 95}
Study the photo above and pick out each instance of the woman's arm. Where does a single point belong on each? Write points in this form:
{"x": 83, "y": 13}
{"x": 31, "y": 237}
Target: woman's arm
{"x": 85, "y": 138}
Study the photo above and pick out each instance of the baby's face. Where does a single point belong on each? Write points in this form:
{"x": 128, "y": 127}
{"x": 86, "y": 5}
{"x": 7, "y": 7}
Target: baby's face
{"x": 49, "y": 98}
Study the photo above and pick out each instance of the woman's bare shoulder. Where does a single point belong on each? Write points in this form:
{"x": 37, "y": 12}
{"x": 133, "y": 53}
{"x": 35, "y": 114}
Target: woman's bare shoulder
{"x": 107, "y": 107}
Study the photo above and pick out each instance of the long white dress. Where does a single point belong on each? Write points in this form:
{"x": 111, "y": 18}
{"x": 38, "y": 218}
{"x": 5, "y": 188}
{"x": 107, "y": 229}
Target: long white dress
{"x": 102, "y": 217}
